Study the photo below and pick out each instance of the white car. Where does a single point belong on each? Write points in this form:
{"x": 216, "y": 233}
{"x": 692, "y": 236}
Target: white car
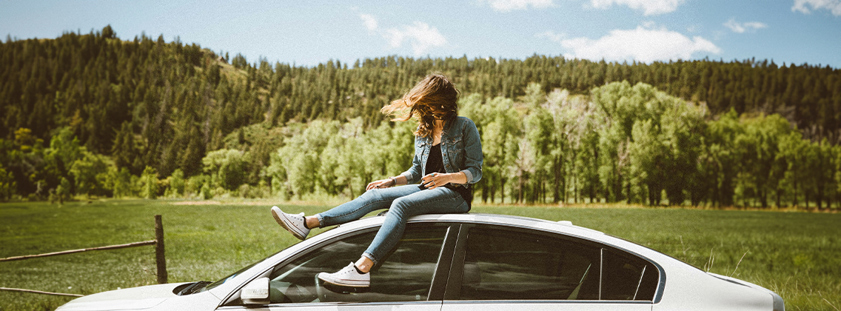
{"x": 459, "y": 262}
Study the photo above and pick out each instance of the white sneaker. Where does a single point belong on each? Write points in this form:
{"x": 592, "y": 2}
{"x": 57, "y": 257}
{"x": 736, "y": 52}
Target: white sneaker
{"x": 347, "y": 277}
{"x": 292, "y": 223}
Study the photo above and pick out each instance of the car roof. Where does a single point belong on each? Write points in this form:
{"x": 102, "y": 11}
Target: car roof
{"x": 563, "y": 226}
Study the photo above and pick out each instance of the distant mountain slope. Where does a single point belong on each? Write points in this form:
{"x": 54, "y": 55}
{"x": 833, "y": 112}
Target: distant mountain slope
{"x": 165, "y": 105}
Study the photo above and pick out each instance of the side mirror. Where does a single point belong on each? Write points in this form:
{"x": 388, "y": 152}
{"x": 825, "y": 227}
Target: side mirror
{"x": 256, "y": 292}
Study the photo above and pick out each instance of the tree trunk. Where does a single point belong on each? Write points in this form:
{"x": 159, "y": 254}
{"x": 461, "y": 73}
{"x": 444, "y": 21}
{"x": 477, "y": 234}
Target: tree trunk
{"x": 820, "y": 194}
{"x": 484, "y": 189}
{"x": 806, "y": 197}
{"x": 650, "y": 196}
{"x": 764, "y": 198}
{"x": 556, "y": 191}
{"x": 794, "y": 169}
{"x": 564, "y": 190}
{"x": 493, "y": 192}
{"x": 502, "y": 189}
{"x": 574, "y": 180}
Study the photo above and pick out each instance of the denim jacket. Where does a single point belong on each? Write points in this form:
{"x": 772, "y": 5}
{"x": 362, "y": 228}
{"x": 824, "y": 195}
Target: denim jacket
{"x": 461, "y": 148}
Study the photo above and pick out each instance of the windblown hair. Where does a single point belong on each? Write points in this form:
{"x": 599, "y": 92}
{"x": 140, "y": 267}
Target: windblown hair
{"x": 434, "y": 97}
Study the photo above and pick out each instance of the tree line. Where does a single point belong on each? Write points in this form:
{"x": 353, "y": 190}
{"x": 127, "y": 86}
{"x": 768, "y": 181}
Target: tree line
{"x": 166, "y": 118}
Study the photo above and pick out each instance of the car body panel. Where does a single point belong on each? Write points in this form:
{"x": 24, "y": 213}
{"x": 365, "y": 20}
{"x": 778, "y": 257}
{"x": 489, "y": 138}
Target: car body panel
{"x": 560, "y": 305}
{"x": 691, "y": 289}
{"x": 373, "y": 306}
{"x": 158, "y": 297}
{"x": 681, "y": 286}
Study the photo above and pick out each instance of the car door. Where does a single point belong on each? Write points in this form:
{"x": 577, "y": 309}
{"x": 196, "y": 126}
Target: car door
{"x": 411, "y": 277}
{"x": 504, "y": 268}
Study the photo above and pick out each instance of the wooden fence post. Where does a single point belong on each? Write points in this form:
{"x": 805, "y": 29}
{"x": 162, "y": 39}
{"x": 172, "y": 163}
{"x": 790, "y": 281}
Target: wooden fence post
{"x": 159, "y": 250}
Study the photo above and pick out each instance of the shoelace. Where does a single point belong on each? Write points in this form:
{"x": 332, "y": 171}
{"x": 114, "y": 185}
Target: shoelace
{"x": 300, "y": 217}
{"x": 346, "y": 270}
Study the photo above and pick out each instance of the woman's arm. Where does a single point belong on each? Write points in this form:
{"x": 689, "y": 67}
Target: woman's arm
{"x": 399, "y": 180}
{"x": 385, "y": 183}
{"x": 473, "y": 157}
{"x": 436, "y": 180}
{"x": 413, "y": 174}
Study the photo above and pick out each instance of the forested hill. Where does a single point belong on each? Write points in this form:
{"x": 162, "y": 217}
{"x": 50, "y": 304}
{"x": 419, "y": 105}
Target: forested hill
{"x": 146, "y": 102}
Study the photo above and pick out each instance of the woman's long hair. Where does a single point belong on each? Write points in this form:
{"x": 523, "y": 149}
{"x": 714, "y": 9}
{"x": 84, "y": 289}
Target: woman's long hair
{"x": 434, "y": 97}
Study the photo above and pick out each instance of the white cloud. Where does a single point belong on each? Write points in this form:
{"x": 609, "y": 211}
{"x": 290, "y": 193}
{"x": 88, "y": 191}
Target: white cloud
{"x": 370, "y": 21}
{"x": 742, "y": 27}
{"x": 511, "y": 5}
{"x": 640, "y": 44}
{"x": 420, "y": 35}
{"x": 551, "y": 35}
{"x": 755, "y": 25}
{"x": 649, "y": 7}
{"x": 833, "y": 6}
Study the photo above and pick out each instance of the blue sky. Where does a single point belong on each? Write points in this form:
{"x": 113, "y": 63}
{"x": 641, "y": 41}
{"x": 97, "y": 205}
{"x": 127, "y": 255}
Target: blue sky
{"x": 303, "y": 33}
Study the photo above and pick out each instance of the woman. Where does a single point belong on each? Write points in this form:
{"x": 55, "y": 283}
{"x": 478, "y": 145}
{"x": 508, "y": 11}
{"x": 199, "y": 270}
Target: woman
{"x": 448, "y": 159}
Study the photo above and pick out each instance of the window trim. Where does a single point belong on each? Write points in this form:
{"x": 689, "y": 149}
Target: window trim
{"x": 639, "y": 283}
{"x": 453, "y": 289}
{"x": 601, "y": 271}
{"x": 636, "y": 302}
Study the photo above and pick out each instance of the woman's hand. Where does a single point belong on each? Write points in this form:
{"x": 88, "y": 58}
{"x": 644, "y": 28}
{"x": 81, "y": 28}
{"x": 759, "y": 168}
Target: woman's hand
{"x": 382, "y": 183}
{"x": 435, "y": 180}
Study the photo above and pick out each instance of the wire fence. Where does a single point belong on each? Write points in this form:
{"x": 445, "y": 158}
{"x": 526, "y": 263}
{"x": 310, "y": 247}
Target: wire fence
{"x": 160, "y": 258}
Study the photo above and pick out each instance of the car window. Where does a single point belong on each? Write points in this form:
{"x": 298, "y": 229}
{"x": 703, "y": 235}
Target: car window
{"x": 506, "y": 264}
{"x": 627, "y": 277}
{"x": 509, "y": 264}
{"x": 404, "y": 275}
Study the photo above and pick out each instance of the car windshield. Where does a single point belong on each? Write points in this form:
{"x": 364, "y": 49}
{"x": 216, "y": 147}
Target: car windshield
{"x": 233, "y": 275}
{"x": 225, "y": 279}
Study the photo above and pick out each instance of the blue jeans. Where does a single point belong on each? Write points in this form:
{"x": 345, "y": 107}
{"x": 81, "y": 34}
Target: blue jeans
{"x": 403, "y": 202}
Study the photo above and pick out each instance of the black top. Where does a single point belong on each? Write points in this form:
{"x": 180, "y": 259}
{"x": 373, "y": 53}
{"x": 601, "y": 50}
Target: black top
{"x": 435, "y": 164}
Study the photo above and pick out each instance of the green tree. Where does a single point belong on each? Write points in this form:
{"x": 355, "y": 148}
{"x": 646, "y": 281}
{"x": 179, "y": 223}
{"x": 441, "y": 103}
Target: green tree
{"x": 62, "y": 191}
{"x": 718, "y": 162}
{"x": 760, "y": 165}
{"x": 647, "y": 153}
{"x": 499, "y": 125}
{"x": 88, "y": 173}
{"x": 683, "y": 127}
{"x": 176, "y": 184}
{"x": 794, "y": 151}
{"x": 8, "y": 186}
{"x": 119, "y": 181}
{"x": 538, "y": 127}
{"x": 649, "y": 143}
{"x": 148, "y": 183}
{"x": 226, "y": 168}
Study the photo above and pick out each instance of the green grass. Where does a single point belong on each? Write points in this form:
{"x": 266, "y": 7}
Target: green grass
{"x": 794, "y": 254}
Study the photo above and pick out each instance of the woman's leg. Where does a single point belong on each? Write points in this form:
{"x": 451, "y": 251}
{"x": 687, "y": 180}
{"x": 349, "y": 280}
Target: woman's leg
{"x": 300, "y": 226}
{"x": 369, "y": 201}
{"x": 436, "y": 201}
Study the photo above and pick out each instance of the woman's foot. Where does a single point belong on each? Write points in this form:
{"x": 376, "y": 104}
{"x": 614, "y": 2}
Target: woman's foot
{"x": 292, "y": 223}
{"x": 349, "y": 276}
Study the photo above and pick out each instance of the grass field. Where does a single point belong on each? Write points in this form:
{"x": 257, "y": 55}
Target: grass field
{"x": 794, "y": 254}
